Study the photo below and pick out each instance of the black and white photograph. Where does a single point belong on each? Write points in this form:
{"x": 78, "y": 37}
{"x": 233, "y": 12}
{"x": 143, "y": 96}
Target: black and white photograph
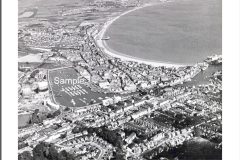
{"x": 120, "y": 80}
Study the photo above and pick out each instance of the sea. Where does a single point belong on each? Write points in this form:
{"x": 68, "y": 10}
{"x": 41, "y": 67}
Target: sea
{"x": 179, "y": 31}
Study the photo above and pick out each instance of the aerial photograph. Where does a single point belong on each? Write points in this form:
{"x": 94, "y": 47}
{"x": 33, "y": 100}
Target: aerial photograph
{"x": 119, "y": 79}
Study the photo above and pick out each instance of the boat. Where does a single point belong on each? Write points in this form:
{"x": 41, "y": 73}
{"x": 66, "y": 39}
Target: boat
{"x": 105, "y": 38}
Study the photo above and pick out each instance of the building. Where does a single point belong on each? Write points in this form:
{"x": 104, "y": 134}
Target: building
{"x": 107, "y": 101}
{"x": 130, "y": 138}
{"x": 104, "y": 84}
{"x": 117, "y": 99}
{"x": 26, "y": 91}
{"x": 52, "y": 105}
{"x": 42, "y": 86}
{"x": 157, "y": 137}
{"x": 130, "y": 87}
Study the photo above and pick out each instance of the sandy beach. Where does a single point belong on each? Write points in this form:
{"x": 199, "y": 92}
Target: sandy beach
{"x": 106, "y": 49}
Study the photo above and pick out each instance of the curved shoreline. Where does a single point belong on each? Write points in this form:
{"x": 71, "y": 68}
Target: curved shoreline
{"x": 106, "y": 49}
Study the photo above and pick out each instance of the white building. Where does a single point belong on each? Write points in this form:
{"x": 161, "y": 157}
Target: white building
{"x": 43, "y": 85}
{"x": 107, "y": 101}
{"x": 52, "y": 105}
{"x": 26, "y": 91}
{"x": 117, "y": 99}
{"x": 130, "y": 138}
{"x": 104, "y": 84}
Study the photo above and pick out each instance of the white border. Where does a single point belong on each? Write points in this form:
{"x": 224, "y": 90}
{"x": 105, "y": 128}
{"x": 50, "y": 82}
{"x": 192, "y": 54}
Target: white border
{"x": 231, "y": 80}
{"x": 9, "y": 80}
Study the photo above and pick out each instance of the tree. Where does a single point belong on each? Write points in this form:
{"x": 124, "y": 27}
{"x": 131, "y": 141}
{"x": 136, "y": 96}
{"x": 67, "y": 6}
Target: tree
{"x": 45, "y": 151}
{"x": 22, "y": 145}
{"x": 64, "y": 155}
{"x": 56, "y": 113}
{"x": 37, "y": 117}
{"x": 119, "y": 155}
{"x": 39, "y": 151}
{"x": 64, "y": 135}
{"x": 75, "y": 130}
{"x": 52, "y": 153}
{"x": 26, "y": 155}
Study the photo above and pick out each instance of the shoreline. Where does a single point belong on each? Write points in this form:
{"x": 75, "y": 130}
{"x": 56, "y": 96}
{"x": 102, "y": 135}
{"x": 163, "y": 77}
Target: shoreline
{"x": 106, "y": 49}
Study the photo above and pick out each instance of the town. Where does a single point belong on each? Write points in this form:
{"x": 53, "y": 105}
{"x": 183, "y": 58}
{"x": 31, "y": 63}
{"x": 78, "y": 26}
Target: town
{"x": 117, "y": 109}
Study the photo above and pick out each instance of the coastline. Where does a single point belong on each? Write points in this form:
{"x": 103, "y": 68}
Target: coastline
{"x": 106, "y": 49}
